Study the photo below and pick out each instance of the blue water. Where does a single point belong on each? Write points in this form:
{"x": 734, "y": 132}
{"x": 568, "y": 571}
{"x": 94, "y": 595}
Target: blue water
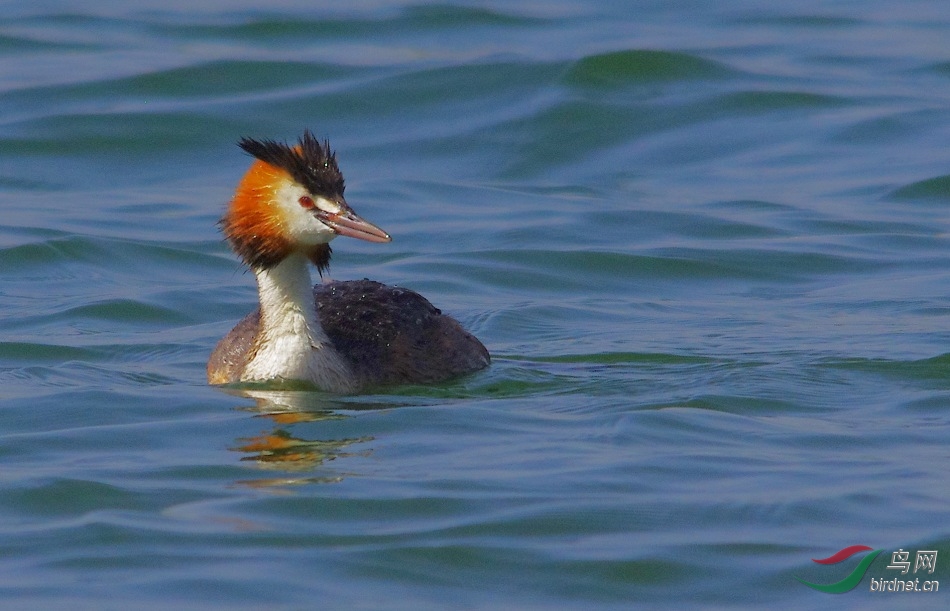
{"x": 706, "y": 244}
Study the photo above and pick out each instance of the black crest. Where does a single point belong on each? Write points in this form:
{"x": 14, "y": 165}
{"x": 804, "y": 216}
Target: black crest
{"x": 311, "y": 163}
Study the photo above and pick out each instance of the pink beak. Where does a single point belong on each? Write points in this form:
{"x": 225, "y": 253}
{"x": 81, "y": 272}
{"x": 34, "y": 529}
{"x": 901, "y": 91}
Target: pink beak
{"x": 348, "y": 223}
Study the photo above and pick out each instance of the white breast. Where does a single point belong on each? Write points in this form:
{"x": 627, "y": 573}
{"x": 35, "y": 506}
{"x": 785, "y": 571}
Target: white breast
{"x": 291, "y": 344}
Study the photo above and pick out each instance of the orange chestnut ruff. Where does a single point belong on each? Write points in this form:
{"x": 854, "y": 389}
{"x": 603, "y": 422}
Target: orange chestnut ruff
{"x": 254, "y": 226}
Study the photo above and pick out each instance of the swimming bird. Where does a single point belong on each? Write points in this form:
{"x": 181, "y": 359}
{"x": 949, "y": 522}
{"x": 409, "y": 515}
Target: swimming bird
{"x": 343, "y": 336}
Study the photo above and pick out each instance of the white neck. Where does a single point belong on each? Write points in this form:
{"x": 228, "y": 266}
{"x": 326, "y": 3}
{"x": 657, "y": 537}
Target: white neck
{"x": 291, "y": 344}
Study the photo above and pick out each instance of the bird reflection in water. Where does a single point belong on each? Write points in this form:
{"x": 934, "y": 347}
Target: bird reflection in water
{"x": 281, "y": 450}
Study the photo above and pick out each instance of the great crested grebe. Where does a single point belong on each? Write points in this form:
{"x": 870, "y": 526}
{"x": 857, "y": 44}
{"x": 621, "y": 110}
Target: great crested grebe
{"x": 338, "y": 336}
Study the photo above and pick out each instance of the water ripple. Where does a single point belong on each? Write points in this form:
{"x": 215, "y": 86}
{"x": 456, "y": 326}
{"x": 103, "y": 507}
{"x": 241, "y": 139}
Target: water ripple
{"x": 705, "y": 248}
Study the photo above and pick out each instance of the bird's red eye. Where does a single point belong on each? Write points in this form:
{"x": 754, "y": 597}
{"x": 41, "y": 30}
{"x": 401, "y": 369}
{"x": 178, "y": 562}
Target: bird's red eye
{"x": 306, "y": 202}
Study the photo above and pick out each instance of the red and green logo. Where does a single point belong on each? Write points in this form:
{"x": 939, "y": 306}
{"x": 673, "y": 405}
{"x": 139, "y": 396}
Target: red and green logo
{"x": 851, "y": 581}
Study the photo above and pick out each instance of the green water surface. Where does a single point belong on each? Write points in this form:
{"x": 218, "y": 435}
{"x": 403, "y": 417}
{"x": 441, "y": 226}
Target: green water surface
{"x": 706, "y": 244}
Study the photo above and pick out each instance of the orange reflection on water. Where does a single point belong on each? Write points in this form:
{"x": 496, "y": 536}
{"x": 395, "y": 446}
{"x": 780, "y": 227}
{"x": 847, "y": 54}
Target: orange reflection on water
{"x": 280, "y": 449}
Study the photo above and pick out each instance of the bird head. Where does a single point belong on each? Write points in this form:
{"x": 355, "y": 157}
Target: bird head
{"x": 291, "y": 200}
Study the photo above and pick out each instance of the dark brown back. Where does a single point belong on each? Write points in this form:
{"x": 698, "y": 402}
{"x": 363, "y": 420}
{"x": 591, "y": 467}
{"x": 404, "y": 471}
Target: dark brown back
{"x": 388, "y": 335}
{"x": 392, "y": 335}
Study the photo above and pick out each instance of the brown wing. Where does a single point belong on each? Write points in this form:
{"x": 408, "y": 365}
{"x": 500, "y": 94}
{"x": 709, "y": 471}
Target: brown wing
{"x": 234, "y": 351}
{"x": 392, "y": 335}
